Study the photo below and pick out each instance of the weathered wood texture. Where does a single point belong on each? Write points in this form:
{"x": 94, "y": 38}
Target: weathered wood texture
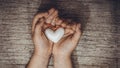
{"x": 99, "y": 44}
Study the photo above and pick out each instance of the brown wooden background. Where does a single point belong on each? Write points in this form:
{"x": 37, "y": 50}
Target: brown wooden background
{"x": 98, "y": 47}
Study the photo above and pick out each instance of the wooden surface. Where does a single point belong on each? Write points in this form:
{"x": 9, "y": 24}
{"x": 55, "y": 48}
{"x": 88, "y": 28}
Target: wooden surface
{"x": 98, "y": 46}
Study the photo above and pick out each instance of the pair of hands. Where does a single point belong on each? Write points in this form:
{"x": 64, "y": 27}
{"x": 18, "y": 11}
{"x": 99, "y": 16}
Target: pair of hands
{"x": 45, "y": 47}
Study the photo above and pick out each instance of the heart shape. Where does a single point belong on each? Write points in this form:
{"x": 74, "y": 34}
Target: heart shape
{"x": 54, "y": 36}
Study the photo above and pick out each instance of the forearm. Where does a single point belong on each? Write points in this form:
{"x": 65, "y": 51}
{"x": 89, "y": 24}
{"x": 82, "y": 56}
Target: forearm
{"x": 62, "y": 62}
{"x": 38, "y": 61}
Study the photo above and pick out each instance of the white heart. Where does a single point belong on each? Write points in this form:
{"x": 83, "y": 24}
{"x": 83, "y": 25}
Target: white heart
{"x": 54, "y": 36}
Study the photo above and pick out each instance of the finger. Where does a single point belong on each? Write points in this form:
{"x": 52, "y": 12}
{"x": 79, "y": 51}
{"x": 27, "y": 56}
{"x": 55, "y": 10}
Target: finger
{"x": 53, "y": 21}
{"x": 66, "y": 35}
{"x": 36, "y": 19}
{"x": 46, "y": 26}
{"x": 51, "y": 11}
{"x": 51, "y": 17}
{"x": 38, "y": 26}
{"x": 77, "y": 33}
{"x": 58, "y": 22}
{"x": 69, "y": 31}
{"x": 63, "y": 24}
{"x": 73, "y": 27}
{"x": 45, "y": 14}
{"x": 68, "y": 27}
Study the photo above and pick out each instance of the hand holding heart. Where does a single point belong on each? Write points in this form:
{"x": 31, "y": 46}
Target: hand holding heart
{"x": 41, "y": 42}
{"x": 53, "y": 35}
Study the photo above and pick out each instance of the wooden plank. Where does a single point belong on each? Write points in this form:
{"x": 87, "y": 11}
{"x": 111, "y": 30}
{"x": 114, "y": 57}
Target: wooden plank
{"x": 98, "y": 47}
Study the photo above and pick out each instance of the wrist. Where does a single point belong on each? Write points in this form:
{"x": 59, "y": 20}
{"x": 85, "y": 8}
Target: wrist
{"x": 62, "y": 57}
{"x": 42, "y": 59}
{"x": 41, "y": 54}
{"x": 38, "y": 61}
{"x": 62, "y": 62}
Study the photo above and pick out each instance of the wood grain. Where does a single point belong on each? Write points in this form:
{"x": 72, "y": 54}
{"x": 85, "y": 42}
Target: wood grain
{"x": 98, "y": 46}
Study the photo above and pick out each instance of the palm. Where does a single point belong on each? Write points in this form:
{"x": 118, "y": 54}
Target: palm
{"x": 65, "y": 46}
{"x": 68, "y": 43}
{"x": 63, "y": 49}
{"x": 41, "y": 40}
{"x": 42, "y": 44}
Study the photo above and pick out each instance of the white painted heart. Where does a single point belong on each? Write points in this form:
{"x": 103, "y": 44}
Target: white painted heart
{"x": 54, "y": 36}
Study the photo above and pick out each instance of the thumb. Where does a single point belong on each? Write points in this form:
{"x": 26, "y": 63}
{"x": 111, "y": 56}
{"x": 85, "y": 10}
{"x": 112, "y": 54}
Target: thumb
{"x": 77, "y": 34}
{"x": 39, "y": 25}
{"x": 36, "y": 19}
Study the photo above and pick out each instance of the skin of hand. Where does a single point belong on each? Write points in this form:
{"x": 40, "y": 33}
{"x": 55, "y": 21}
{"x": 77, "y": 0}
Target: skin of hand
{"x": 39, "y": 39}
{"x": 63, "y": 49}
{"x": 42, "y": 46}
{"x": 69, "y": 41}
